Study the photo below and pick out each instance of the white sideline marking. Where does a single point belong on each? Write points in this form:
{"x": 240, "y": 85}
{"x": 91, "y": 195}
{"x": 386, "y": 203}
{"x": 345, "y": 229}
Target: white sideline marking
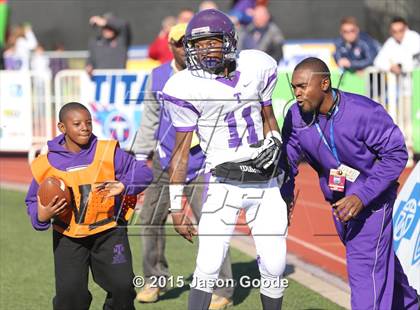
{"x": 316, "y": 249}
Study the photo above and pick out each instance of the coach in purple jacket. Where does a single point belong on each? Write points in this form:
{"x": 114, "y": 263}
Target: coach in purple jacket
{"x": 358, "y": 153}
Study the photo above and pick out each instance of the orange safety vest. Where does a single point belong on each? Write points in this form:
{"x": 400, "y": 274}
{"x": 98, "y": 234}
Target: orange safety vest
{"x": 91, "y": 212}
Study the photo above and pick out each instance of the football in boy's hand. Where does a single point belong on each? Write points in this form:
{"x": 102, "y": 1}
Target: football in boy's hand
{"x": 51, "y": 187}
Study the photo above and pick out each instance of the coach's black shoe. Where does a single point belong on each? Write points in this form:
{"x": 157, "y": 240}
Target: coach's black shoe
{"x": 269, "y": 303}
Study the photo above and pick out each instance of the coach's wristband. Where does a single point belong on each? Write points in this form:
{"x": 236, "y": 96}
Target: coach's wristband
{"x": 175, "y": 195}
{"x": 275, "y": 134}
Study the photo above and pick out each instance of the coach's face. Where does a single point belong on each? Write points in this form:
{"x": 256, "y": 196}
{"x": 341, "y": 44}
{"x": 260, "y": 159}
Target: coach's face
{"x": 309, "y": 89}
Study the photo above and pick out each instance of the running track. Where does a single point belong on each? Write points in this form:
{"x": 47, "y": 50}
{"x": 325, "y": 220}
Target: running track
{"x": 312, "y": 234}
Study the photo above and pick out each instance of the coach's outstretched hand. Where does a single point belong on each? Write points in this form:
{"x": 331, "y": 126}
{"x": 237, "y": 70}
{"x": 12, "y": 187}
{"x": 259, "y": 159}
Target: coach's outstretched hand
{"x": 183, "y": 225}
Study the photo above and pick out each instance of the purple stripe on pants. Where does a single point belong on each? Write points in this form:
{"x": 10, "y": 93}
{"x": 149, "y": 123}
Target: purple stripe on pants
{"x": 376, "y": 278}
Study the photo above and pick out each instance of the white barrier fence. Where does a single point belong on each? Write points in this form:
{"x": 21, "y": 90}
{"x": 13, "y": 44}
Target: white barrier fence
{"x": 114, "y": 97}
{"x": 394, "y": 92}
{"x": 26, "y": 110}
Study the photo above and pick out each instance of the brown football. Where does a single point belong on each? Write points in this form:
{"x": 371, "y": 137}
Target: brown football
{"x": 51, "y": 187}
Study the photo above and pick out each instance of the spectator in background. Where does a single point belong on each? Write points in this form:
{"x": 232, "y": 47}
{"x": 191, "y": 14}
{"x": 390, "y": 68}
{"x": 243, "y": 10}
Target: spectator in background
{"x": 262, "y": 34}
{"x": 207, "y": 5}
{"x": 4, "y": 10}
{"x": 354, "y": 50}
{"x": 58, "y": 62}
{"x": 41, "y": 70}
{"x": 20, "y": 43}
{"x": 108, "y": 50}
{"x": 242, "y": 11}
{"x": 159, "y": 49}
{"x": 40, "y": 63}
{"x": 185, "y": 15}
{"x": 401, "y": 50}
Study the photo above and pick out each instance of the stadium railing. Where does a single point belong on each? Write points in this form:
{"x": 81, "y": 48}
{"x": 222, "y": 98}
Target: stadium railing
{"x": 26, "y": 110}
{"x": 395, "y": 93}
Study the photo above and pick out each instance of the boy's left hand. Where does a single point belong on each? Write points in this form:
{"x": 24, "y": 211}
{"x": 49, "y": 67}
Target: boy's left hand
{"x": 110, "y": 188}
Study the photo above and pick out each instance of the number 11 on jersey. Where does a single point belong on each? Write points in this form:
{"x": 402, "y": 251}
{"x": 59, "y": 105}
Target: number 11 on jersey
{"x": 235, "y": 140}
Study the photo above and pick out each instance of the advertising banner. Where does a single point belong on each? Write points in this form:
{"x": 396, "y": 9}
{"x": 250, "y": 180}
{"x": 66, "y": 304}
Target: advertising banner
{"x": 15, "y": 111}
{"x": 115, "y": 100}
{"x": 406, "y": 222}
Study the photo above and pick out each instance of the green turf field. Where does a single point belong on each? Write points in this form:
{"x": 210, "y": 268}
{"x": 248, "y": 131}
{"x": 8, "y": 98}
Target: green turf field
{"x": 27, "y": 279}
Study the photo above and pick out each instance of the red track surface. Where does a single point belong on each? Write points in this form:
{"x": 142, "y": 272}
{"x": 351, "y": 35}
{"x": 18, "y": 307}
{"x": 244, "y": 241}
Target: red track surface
{"x": 312, "y": 234}
{"x": 15, "y": 169}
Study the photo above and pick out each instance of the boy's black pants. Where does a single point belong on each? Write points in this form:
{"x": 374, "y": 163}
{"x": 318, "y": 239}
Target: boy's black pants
{"x": 108, "y": 255}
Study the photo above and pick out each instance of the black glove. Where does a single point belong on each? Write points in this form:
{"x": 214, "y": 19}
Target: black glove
{"x": 268, "y": 153}
{"x": 244, "y": 172}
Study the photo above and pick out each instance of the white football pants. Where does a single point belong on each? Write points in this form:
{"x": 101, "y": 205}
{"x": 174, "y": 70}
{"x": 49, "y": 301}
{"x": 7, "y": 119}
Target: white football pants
{"x": 266, "y": 215}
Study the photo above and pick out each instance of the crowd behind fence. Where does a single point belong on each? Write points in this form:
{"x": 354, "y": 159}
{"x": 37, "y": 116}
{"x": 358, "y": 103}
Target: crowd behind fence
{"x": 398, "y": 94}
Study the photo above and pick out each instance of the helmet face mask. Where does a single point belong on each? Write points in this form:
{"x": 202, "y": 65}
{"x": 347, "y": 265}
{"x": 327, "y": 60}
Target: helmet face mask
{"x": 209, "y": 53}
{"x": 210, "y": 43}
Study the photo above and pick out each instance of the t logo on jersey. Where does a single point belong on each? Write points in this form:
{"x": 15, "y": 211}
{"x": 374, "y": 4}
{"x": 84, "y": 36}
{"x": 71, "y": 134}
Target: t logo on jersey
{"x": 237, "y": 95}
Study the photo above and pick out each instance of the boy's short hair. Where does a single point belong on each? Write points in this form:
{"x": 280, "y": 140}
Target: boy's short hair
{"x": 70, "y": 107}
{"x": 399, "y": 19}
{"x": 349, "y": 20}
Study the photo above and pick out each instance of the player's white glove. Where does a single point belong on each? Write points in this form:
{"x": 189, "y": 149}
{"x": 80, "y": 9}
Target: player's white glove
{"x": 269, "y": 152}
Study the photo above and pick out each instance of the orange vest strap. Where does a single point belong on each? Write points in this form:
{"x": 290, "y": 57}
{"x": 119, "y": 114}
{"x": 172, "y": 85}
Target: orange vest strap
{"x": 105, "y": 151}
{"x": 40, "y": 167}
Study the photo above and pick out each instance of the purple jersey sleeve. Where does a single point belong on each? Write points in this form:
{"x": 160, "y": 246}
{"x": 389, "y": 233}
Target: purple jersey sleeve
{"x": 184, "y": 115}
{"x": 135, "y": 175}
{"x": 181, "y": 102}
{"x": 32, "y": 207}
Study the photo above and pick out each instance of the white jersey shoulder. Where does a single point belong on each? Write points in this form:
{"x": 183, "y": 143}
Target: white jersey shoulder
{"x": 225, "y": 111}
{"x": 256, "y": 60}
{"x": 179, "y": 85}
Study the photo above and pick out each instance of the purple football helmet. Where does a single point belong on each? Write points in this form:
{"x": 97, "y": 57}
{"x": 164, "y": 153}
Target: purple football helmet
{"x": 210, "y": 24}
